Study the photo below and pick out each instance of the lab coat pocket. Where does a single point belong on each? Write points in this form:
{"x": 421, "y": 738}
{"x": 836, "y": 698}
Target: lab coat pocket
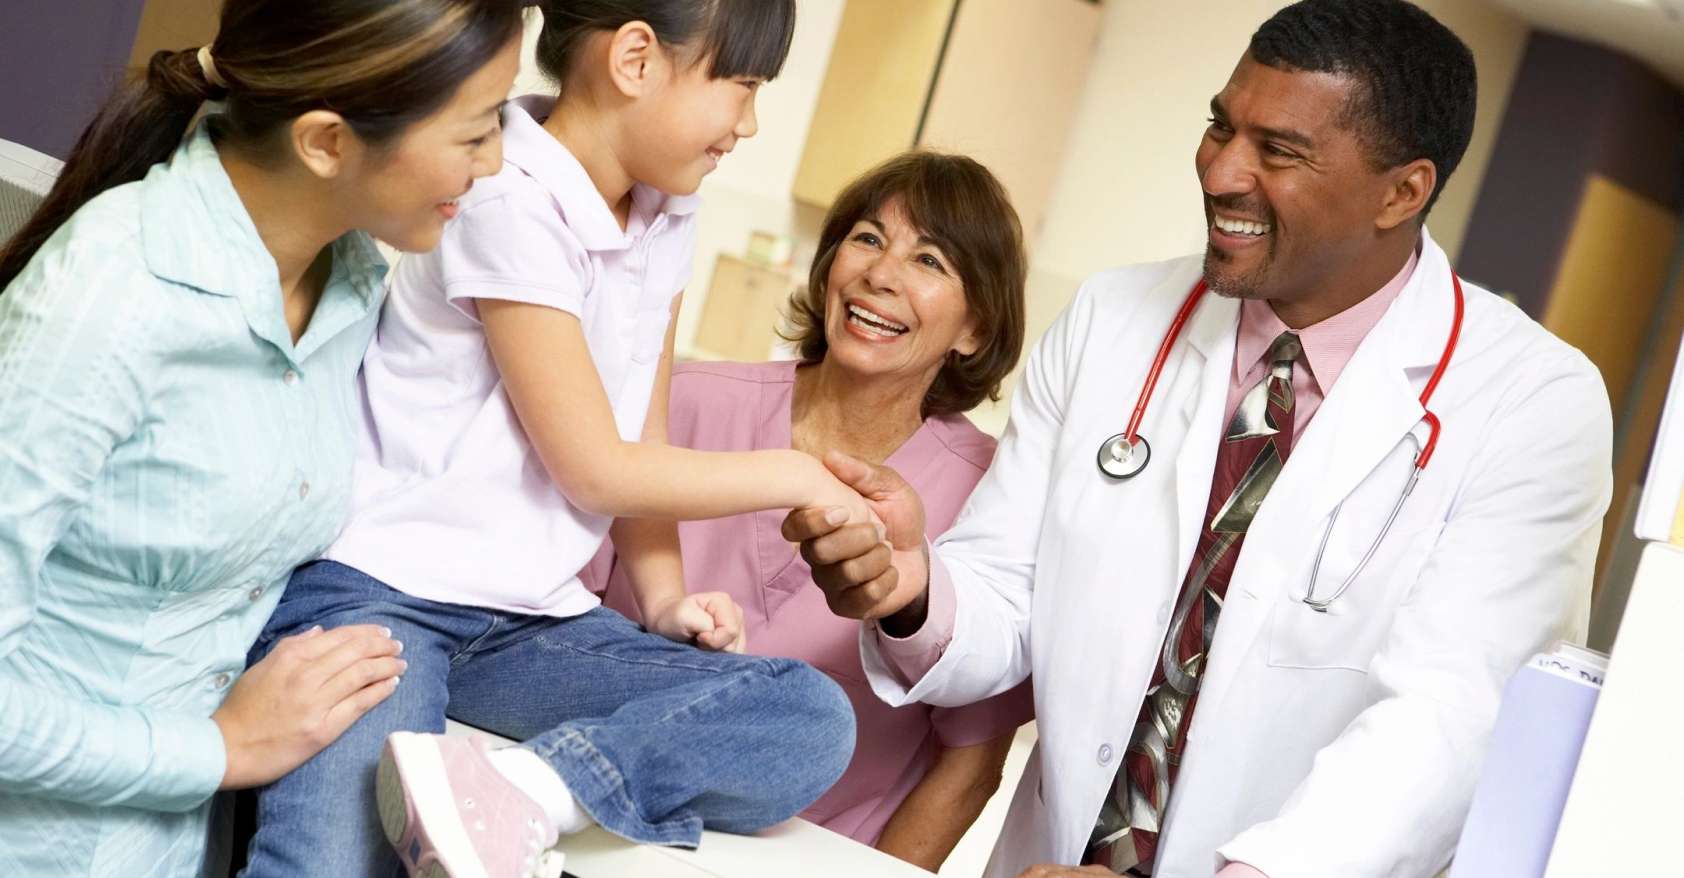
{"x": 1028, "y": 836}
{"x": 1347, "y": 636}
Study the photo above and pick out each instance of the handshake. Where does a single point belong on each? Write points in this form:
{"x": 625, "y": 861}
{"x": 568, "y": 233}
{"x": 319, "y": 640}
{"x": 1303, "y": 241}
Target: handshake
{"x": 873, "y": 566}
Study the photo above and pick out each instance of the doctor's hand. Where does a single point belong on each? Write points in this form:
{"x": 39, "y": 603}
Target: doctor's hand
{"x": 711, "y": 620}
{"x": 867, "y": 572}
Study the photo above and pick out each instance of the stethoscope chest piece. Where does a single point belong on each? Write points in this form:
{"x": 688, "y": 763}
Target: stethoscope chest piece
{"x": 1120, "y": 460}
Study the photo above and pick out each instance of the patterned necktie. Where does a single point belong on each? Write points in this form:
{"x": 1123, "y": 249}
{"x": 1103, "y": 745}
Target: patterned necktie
{"x": 1253, "y": 450}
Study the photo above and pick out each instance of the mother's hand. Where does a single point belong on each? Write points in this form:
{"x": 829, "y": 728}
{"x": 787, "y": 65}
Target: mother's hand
{"x": 301, "y": 697}
{"x": 863, "y": 575}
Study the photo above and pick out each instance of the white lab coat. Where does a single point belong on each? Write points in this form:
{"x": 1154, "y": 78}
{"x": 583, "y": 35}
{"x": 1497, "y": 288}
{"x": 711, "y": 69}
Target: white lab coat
{"x": 1343, "y": 744}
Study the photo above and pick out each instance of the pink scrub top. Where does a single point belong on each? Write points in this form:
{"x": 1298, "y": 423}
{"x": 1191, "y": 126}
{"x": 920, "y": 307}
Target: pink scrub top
{"x": 746, "y": 406}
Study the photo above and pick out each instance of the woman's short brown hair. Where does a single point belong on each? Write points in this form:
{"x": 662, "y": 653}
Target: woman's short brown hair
{"x": 961, "y": 206}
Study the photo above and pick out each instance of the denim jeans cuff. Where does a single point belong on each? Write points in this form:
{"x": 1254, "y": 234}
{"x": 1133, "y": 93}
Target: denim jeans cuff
{"x": 600, "y": 789}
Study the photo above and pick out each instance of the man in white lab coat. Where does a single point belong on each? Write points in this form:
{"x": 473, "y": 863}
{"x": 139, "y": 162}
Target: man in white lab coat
{"x": 1197, "y": 714}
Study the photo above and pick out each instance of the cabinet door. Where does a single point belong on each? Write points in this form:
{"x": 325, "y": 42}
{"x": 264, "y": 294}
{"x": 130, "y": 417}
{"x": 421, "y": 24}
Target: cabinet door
{"x": 174, "y": 24}
{"x": 1007, "y": 93}
{"x": 741, "y": 312}
{"x": 884, "y": 59}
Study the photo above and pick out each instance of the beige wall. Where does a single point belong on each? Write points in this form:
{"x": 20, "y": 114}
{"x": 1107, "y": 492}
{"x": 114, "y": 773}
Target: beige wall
{"x": 1128, "y": 193}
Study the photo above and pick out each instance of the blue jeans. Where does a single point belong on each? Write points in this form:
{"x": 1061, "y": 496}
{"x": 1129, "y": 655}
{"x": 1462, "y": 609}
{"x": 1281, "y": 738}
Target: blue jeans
{"x": 655, "y": 739}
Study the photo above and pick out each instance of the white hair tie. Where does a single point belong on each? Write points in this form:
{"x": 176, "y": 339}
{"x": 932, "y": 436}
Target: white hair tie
{"x": 208, "y": 65}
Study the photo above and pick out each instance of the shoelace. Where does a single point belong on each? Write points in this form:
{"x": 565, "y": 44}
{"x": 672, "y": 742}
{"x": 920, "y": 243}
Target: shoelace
{"x": 541, "y": 862}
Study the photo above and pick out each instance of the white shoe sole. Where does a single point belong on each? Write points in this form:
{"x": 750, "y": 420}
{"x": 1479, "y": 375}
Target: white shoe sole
{"x": 413, "y": 792}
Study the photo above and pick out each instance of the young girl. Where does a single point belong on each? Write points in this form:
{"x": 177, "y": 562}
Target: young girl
{"x": 515, "y": 405}
{"x": 180, "y": 330}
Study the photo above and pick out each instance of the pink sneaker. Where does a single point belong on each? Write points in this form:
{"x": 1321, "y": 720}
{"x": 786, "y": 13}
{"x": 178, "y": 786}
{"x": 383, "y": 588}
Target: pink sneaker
{"x": 451, "y": 814}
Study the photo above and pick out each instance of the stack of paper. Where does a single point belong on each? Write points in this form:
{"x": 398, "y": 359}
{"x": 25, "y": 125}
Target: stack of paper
{"x": 1529, "y": 767}
{"x": 1622, "y": 815}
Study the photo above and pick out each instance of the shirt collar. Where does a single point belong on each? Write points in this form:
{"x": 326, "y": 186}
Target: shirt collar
{"x": 527, "y": 146}
{"x": 1328, "y": 345}
{"x": 196, "y": 231}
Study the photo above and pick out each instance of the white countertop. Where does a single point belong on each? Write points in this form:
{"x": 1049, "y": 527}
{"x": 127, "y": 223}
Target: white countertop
{"x": 795, "y": 847}
{"x": 792, "y": 847}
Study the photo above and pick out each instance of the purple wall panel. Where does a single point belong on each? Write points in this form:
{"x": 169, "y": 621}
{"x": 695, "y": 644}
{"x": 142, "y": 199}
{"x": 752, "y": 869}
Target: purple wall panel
{"x": 58, "y": 61}
{"x": 1575, "y": 110}
{"x": 1642, "y": 146}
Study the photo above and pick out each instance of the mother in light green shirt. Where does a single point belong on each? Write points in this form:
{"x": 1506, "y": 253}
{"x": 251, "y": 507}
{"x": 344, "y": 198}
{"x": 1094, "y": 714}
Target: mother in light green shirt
{"x": 178, "y": 347}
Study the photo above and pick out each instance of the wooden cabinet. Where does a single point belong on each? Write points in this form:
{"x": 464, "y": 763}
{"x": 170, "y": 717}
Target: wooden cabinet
{"x": 998, "y": 80}
{"x": 174, "y": 25}
{"x": 740, "y": 316}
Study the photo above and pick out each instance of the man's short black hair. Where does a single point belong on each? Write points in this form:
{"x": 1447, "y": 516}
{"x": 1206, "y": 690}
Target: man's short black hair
{"x": 1416, "y": 84}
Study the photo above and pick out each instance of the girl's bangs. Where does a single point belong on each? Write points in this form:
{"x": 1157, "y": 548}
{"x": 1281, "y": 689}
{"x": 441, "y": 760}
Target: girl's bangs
{"x": 749, "y": 38}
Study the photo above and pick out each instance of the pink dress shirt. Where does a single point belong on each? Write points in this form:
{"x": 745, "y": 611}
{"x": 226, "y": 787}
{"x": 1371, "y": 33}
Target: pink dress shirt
{"x": 746, "y": 406}
{"x": 1328, "y": 347}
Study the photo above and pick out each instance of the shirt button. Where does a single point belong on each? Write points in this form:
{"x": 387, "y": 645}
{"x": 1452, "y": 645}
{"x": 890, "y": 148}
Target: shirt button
{"x": 290, "y": 377}
{"x": 1105, "y": 754}
{"x": 303, "y": 490}
{"x": 1163, "y": 613}
{"x": 255, "y": 594}
{"x": 221, "y": 681}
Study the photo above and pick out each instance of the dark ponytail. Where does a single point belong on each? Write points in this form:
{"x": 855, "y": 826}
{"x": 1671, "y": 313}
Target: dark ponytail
{"x": 140, "y": 126}
{"x": 381, "y": 64}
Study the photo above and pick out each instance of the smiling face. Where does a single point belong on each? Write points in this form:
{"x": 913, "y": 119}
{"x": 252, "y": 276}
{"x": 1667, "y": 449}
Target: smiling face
{"x": 894, "y": 304}
{"x": 1294, "y": 204}
{"x": 408, "y": 190}
{"x": 687, "y": 124}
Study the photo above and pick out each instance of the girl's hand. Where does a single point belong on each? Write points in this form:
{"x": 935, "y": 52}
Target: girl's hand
{"x": 710, "y": 619}
{"x": 830, "y": 492}
{"x": 868, "y": 571}
{"x": 301, "y": 697}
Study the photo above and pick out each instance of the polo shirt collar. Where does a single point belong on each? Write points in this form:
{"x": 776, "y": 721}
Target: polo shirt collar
{"x": 529, "y": 147}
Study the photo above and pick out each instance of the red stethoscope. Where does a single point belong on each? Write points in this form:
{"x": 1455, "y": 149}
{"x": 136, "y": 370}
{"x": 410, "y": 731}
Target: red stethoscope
{"x": 1126, "y": 454}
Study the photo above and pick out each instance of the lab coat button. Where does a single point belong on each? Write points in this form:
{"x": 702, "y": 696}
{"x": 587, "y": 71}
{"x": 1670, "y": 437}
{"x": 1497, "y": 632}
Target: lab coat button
{"x": 1105, "y": 754}
{"x": 221, "y": 681}
{"x": 255, "y": 594}
{"x": 289, "y": 377}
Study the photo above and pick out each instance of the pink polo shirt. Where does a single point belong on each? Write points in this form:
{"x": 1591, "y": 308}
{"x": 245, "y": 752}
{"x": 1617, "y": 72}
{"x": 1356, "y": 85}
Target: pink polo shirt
{"x": 746, "y": 406}
{"x": 1328, "y": 347}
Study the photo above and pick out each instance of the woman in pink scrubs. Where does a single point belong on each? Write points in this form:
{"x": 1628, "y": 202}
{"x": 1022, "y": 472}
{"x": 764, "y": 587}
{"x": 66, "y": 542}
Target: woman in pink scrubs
{"x": 913, "y": 315}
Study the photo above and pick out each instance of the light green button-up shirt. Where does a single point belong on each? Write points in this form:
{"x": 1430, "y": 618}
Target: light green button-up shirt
{"x": 167, "y": 456}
